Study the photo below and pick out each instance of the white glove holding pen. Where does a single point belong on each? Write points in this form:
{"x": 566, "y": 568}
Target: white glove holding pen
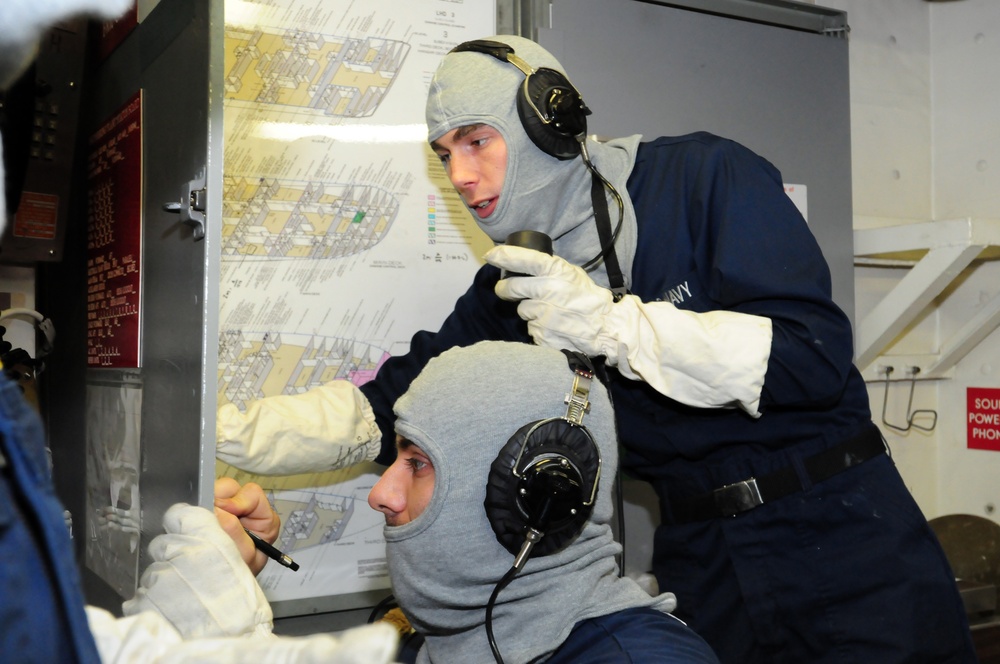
{"x": 146, "y": 638}
{"x": 199, "y": 602}
{"x": 715, "y": 359}
{"x": 198, "y": 580}
{"x": 326, "y": 428}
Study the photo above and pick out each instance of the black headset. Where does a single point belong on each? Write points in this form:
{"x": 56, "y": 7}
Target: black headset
{"x": 543, "y": 483}
{"x": 551, "y": 109}
{"x": 554, "y": 116}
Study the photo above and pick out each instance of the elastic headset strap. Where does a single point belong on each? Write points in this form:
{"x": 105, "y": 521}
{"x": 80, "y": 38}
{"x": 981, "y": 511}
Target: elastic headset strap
{"x": 578, "y": 361}
{"x": 592, "y": 365}
{"x": 498, "y": 50}
{"x": 603, "y": 217}
{"x": 520, "y": 63}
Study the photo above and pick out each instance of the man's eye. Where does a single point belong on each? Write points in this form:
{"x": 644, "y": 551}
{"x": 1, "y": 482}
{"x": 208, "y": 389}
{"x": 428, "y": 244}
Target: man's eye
{"x": 444, "y": 158}
{"x": 416, "y": 465}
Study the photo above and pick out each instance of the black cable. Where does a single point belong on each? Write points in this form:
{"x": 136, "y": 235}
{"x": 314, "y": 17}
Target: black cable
{"x": 618, "y": 201}
{"x": 386, "y": 602}
{"x": 503, "y": 583}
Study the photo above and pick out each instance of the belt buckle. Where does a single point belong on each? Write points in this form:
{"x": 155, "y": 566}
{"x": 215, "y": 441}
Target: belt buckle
{"x": 738, "y": 497}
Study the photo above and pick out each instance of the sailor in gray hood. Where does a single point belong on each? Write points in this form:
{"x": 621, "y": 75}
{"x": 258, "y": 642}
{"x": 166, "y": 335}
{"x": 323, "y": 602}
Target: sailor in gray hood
{"x": 460, "y": 427}
{"x": 682, "y": 263}
{"x": 545, "y": 194}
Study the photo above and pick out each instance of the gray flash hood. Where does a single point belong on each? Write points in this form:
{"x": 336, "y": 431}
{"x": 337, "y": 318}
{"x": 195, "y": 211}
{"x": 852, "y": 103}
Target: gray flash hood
{"x": 540, "y": 192}
{"x": 444, "y": 564}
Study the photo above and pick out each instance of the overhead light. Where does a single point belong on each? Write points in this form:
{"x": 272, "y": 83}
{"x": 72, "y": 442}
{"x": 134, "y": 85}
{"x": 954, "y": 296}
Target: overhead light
{"x": 344, "y": 133}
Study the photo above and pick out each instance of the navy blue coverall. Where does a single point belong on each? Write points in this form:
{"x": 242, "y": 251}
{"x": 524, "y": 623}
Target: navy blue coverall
{"x": 42, "y": 616}
{"x": 837, "y": 564}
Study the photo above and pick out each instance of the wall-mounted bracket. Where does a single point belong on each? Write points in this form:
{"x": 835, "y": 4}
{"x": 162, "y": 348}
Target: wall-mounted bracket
{"x": 902, "y": 368}
{"x": 924, "y": 419}
{"x": 191, "y": 206}
{"x": 936, "y": 253}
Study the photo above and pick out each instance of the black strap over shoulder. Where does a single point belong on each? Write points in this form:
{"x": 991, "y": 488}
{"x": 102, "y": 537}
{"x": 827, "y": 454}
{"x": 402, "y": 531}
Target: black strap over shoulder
{"x": 615, "y": 278}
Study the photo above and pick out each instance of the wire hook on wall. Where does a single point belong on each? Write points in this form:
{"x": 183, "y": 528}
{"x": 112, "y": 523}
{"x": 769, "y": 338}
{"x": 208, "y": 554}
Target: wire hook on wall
{"x": 911, "y": 415}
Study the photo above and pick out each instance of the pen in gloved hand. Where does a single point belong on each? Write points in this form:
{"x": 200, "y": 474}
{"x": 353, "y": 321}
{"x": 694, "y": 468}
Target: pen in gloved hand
{"x": 271, "y": 552}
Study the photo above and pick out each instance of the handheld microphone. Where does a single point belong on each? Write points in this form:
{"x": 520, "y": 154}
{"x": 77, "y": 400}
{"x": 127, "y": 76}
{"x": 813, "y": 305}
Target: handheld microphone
{"x": 529, "y": 240}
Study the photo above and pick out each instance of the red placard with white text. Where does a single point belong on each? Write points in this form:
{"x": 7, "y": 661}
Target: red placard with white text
{"x": 37, "y": 216}
{"x": 983, "y": 419}
{"x": 114, "y": 239}
{"x": 113, "y": 32}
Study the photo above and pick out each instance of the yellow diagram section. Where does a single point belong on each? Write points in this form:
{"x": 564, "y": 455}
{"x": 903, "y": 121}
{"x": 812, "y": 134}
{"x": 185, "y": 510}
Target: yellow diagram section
{"x": 251, "y": 368}
{"x": 342, "y": 77}
{"x": 311, "y": 518}
{"x": 274, "y": 218}
{"x": 313, "y": 509}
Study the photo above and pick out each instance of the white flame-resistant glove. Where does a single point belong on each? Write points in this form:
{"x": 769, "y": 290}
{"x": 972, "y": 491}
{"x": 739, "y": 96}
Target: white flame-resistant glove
{"x": 326, "y": 428}
{"x": 146, "y": 638}
{"x": 198, "y": 580}
{"x": 715, "y": 359}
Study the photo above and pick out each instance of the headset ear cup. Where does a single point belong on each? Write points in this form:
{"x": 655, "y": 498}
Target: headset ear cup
{"x": 557, "y": 137}
{"x": 508, "y": 503}
{"x": 501, "y": 495}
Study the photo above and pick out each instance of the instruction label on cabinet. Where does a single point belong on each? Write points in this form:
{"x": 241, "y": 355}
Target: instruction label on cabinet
{"x": 984, "y": 418}
{"x": 114, "y": 239}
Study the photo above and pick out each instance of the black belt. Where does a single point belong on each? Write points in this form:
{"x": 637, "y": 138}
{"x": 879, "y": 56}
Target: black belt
{"x": 738, "y": 497}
